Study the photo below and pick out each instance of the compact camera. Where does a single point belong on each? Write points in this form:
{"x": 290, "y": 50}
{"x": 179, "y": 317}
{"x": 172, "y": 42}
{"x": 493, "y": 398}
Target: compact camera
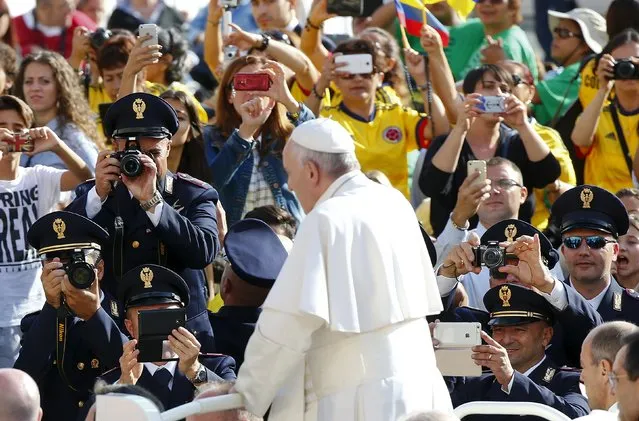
{"x": 81, "y": 274}
{"x": 22, "y": 142}
{"x": 99, "y": 37}
{"x": 230, "y": 3}
{"x": 493, "y": 256}
{"x": 130, "y": 163}
{"x": 492, "y": 104}
{"x": 624, "y": 69}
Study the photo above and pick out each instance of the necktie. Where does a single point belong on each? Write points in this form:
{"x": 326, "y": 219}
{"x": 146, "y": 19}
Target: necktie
{"x": 160, "y": 388}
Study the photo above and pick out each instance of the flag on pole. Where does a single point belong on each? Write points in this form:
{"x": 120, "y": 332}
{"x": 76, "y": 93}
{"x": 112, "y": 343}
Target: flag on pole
{"x": 462, "y": 7}
{"x": 412, "y": 15}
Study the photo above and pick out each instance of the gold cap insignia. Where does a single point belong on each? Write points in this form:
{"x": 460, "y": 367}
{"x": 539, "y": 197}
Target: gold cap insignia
{"x": 586, "y": 197}
{"x": 59, "y": 227}
{"x": 616, "y": 301}
{"x": 510, "y": 232}
{"x": 504, "y": 295}
{"x": 95, "y": 363}
{"x": 550, "y": 373}
{"x": 139, "y": 106}
{"x": 146, "y": 275}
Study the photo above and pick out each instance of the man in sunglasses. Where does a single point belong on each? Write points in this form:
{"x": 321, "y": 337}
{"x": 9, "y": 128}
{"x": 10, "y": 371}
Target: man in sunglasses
{"x": 591, "y": 221}
{"x": 576, "y": 35}
{"x": 572, "y": 323}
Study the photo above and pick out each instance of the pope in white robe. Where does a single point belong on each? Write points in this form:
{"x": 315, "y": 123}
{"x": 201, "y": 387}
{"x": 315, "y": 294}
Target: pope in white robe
{"x": 343, "y": 335}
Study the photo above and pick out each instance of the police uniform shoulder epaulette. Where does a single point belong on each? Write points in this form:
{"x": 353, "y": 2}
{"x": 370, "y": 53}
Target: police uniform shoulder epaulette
{"x": 84, "y": 187}
{"x": 632, "y": 293}
{"x": 192, "y": 180}
{"x": 27, "y": 321}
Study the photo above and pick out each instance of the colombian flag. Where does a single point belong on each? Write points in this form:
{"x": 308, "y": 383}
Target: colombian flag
{"x": 411, "y": 16}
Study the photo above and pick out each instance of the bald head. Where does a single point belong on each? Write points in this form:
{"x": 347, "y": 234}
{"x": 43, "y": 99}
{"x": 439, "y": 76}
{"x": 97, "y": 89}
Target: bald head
{"x": 216, "y": 389}
{"x": 20, "y": 398}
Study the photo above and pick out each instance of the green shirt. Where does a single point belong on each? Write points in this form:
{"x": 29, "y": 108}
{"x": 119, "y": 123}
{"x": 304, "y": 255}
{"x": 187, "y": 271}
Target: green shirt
{"x": 562, "y": 88}
{"x": 468, "y": 39}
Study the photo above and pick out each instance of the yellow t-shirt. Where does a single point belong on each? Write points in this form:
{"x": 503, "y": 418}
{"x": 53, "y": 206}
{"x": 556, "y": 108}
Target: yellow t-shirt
{"x": 605, "y": 164}
{"x": 300, "y": 95}
{"x": 552, "y": 138}
{"x": 383, "y": 142}
{"x": 386, "y": 95}
{"x": 589, "y": 84}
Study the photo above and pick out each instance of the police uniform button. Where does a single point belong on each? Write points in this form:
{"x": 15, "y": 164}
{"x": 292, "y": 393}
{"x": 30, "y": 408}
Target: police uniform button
{"x": 80, "y": 366}
{"x": 135, "y": 244}
{"x": 80, "y": 404}
{"x": 265, "y": 163}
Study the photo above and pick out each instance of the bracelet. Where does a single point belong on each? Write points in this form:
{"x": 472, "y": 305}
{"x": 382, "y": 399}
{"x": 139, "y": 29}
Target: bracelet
{"x": 210, "y": 22}
{"x": 146, "y": 205}
{"x": 464, "y": 228}
{"x": 309, "y": 24}
{"x": 317, "y": 94}
{"x": 295, "y": 115}
{"x": 264, "y": 43}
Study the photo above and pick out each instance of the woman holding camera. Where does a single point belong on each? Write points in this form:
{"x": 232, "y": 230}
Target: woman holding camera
{"x": 49, "y": 85}
{"x": 33, "y": 193}
{"x": 244, "y": 148}
{"x": 606, "y": 133}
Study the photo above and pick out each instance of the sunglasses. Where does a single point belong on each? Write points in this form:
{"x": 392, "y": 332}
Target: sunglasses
{"x": 564, "y": 33}
{"x": 518, "y": 80}
{"x": 349, "y": 76}
{"x": 593, "y": 242}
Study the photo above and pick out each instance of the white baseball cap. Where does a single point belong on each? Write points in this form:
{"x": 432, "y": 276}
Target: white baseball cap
{"x": 323, "y": 135}
{"x": 592, "y": 24}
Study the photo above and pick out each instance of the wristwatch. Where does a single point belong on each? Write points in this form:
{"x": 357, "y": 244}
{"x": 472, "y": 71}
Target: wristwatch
{"x": 157, "y": 198}
{"x": 464, "y": 228}
{"x": 264, "y": 45}
{"x": 200, "y": 376}
{"x": 295, "y": 115}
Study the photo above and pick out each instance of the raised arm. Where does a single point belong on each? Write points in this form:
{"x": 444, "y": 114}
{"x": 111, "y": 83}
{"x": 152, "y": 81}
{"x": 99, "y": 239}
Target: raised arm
{"x": 213, "y": 51}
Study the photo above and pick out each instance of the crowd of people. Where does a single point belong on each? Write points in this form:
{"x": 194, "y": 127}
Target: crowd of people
{"x": 276, "y": 200}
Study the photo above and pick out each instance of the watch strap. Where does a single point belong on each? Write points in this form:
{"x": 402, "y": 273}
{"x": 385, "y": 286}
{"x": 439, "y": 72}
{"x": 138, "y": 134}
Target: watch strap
{"x": 157, "y": 198}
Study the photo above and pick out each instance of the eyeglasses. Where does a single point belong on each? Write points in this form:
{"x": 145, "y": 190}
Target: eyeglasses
{"x": 614, "y": 378}
{"x": 490, "y": 1}
{"x": 349, "y": 76}
{"x": 518, "y": 80}
{"x": 564, "y": 33}
{"x": 504, "y": 183}
{"x": 593, "y": 241}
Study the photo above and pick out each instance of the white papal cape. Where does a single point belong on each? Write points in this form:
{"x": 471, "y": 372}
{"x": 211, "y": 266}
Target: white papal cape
{"x": 343, "y": 334}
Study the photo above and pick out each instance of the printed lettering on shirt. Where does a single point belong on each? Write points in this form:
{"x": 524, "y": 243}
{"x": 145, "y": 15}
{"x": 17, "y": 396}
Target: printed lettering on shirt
{"x": 18, "y": 211}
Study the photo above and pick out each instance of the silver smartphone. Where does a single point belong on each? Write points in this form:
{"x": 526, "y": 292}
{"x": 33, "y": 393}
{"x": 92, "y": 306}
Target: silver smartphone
{"x": 453, "y": 354}
{"x": 149, "y": 29}
{"x": 355, "y": 63}
{"x": 477, "y": 165}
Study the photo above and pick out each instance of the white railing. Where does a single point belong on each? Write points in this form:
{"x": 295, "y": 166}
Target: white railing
{"x": 510, "y": 408}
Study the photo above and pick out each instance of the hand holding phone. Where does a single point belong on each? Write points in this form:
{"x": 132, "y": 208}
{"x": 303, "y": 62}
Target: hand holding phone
{"x": 149, "y": 29}
{"x": 355, "y": 63}
{"x": 345, "y": 7}
{"x": 154, "y": 328}
{"x": 455, "y": 349}
{"x": 479, "y": 166}
{"x": 492, "y": 104}
{"x": 251, "y": 82}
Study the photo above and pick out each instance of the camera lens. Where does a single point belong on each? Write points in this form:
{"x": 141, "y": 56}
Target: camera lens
{"x": 131, "y": 165}
{"x": 492, "y": 257}
{"x": 81, "y": 275}
{"x": 624, "y": 70}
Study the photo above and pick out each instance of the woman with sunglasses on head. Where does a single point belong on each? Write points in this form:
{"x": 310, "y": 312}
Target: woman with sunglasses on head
{"x": 606, "y": 132}
{"x": 481, "y": 135}
{"x": 383, "y": 133}
{"x": 524, "y": 89}
{"x": 493, "y": 36}
{"x": 49, "y": 85}
{"x": 244, "y": 148}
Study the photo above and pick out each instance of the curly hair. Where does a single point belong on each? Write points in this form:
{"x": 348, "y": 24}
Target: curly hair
{"x": 72, "y": 106}
{"x": 173, "y": 43}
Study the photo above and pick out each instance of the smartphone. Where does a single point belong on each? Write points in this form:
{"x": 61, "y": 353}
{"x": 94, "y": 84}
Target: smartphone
{"x": 149, "y": 29}
{"x": 477, "y": 165}
{"x": 22, "y": 142}
{"x": 492, "y": 104}
{"x": 229, "y": 3}
{"x": 453, "y": 354}
{"x": 154, "y": 326}
{"x": 355, "y": 63}
{"x": 345, "y": 7}
{"x": 251, "y": 82}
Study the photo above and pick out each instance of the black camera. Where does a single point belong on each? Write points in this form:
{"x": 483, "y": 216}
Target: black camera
{"x": 99, "y": 37}
{"x": 624, "y": 69}
{"x": 80, "y": 273}
{"x": 493, "y": 256}
{"x": 130, "y": 164}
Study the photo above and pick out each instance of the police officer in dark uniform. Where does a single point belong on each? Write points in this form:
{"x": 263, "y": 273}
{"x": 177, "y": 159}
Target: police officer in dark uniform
{"x": 152, "y": 287}
{"x": 256, "y": 256}
{"x": 152, "y": 215}
{"x": 572, "y": 321}
{"x": 591, "y": 221}
{"x": 74, "y": 339}
{"x": 521, "y": 322}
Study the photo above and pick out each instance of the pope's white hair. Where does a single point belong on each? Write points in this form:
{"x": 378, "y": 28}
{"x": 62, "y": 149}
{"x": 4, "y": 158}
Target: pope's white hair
{"x": 333, "y": 164}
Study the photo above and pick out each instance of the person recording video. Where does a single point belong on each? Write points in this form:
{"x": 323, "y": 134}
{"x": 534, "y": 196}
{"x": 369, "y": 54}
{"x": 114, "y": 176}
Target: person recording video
{"x": 153, "y": 216}
{"x": 152, "y": 287}
{"x": 74, "y": 338}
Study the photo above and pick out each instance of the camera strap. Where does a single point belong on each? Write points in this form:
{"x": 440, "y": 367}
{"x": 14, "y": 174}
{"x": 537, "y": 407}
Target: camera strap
{"x": 62, "y": 318}
{"x": 621, "y": 137}
{"x": 118, "y": 241}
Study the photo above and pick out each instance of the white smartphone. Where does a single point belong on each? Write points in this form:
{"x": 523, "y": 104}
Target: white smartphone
{"x": 453, "y": 354}
{"x": 355, "y": 63}
{"x": 477, "y": 165}
{"x": 149, "y": 29}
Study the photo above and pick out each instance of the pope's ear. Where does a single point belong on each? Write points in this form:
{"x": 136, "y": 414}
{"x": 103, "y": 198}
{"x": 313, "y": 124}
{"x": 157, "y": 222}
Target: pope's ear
{"x": 312, "y": 170}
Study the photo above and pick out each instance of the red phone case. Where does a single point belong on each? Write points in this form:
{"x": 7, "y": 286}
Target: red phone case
{"x": 251, "y": 82}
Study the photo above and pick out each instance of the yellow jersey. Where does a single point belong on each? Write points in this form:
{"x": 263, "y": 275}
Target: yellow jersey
{"x": 552, "y": 138}
{"x": 605, "y": 163}
{"x": 386, "y": 95}
{"x": 382, "y": 141}
{"x": 589, "y": 84}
